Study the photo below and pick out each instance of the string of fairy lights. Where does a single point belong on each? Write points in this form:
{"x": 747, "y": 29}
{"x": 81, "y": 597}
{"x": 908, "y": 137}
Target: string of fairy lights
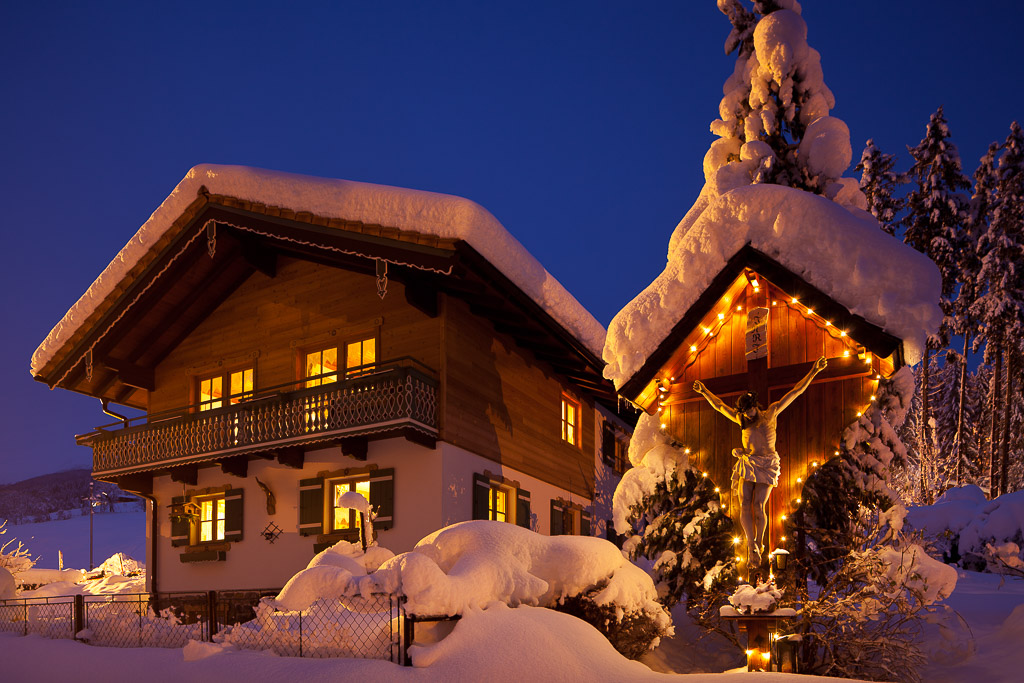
{"x": 709, "y": 330}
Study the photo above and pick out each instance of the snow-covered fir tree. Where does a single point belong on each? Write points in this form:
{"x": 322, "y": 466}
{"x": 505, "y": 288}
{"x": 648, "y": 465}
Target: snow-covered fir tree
{"x": 879, "y": 183}
{"x": 774, "y": 124}
{"x": 999, "y": 308}
{"x": 935, "y": 224}
{"x": 673, "y": 523}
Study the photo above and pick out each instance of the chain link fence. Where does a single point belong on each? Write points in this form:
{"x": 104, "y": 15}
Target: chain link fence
{"x": 371, "y": 626}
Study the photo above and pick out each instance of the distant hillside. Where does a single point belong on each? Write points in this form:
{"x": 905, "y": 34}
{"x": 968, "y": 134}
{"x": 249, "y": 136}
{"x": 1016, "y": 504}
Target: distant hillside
{"x": 57, "y": 496}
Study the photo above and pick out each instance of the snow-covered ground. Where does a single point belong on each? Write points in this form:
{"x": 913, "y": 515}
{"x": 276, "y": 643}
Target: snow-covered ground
{"x": 112, "y": 532}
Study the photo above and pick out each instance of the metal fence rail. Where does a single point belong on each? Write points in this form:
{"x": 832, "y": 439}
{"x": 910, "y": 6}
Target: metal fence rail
{"x": 371, "y": 627}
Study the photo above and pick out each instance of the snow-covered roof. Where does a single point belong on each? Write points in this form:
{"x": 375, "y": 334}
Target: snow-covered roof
{"x": 440, "y": 215}
{"x": 840, "y": 250}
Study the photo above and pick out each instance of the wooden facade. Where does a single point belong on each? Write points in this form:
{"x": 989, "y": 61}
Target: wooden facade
{"x": 712, "y": 349}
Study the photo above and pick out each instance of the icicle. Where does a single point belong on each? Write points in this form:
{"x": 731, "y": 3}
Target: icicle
{"x": 382, "y": 278}
{"x": 211, "y": 237}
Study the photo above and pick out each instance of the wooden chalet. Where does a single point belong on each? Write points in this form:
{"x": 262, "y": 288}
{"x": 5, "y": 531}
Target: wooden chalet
{"x": 282, "y": 357}
{"x": 709, "y": 343}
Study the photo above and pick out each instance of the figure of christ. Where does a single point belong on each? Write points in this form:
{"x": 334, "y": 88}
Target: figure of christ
{"x": 757, "y": 467}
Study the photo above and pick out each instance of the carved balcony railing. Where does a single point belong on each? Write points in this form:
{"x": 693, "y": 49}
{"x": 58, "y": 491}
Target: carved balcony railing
{"x": 389, "y": 397}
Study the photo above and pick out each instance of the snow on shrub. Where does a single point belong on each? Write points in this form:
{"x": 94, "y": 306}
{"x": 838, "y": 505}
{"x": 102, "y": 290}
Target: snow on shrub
{"x": 470, "y": 565}
{"x": 978, "y": 534}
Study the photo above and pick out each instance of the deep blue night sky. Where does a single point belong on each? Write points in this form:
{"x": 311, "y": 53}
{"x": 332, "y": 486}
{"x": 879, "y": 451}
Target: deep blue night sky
{"x": 580, "y": 125}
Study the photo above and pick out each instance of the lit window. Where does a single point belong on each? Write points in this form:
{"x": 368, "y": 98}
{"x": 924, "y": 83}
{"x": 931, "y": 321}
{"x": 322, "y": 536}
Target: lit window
{"x": 211, "y": 520}
{"x": 570, "y": 421}
{"x": 211, "y": 389}
{"x": 497, "y": 504}
{"x": 343, "y": 518}
{"x": 360, "y": 356}
{"x": 321, "y": 367}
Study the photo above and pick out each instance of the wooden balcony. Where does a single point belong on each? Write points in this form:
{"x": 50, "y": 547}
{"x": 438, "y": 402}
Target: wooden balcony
{"x": 392, "y": 398}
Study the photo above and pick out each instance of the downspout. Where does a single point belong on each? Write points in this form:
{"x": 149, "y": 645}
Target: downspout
{"x": 117, "y": 416}
{"x": 151, "y": 568}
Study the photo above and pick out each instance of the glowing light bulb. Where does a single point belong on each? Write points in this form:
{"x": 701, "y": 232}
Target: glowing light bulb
{"x": 774, "y": 303}
{"x": 814, "y": 464}
{"x": 721, "y": 316}
{"x": 799, "y": 500}
{"x": 859, "y": 413}
{"x": 739, "y": 308}
{"x": 703, "y": 474}
{"x": 718, "y": 489}
{"x": 828, "y": 323}
{"x": 693, "y": 348}
{"x": 663, "y": 425}
{"x": 810, "y": 311}
{"x": 846, "y": 353}
{"x": 706, "y": 329}
{"x": 799, "y": 480}
{"x": 836, "y": 453}
{"x": 874, "y": 398}
{"x": 750, "y": 652}
{"x": 783, "y": 518}
{"x": 686, "y": 450}
{"x": 735, "y": 540}
{"x": 843, "y": 333}
{"x": 793, "y": 300}
{"x": 766, "y": 656}
{"x": 783, "y": 538}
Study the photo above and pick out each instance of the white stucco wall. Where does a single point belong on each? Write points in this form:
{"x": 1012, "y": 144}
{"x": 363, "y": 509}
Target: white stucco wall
{"x": 433, "y": 488}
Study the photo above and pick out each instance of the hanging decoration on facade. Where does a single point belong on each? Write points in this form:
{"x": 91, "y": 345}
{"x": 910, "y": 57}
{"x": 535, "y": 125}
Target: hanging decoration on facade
{"x": 88, "y": 365}
{"x": 211, "y": 238}
{"x": 757, "y": 333}
{"x": 382, "y": 278}
{"x": 271, "y": 498}
{"x": 271, "y": 532}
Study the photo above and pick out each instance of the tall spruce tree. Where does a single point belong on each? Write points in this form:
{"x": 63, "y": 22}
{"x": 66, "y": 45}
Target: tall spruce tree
{"x": 964, "y": 321}
{"x": 1000, "y": 308}
{"x": 935, "y": 225}
{"x": 879, "y": 182}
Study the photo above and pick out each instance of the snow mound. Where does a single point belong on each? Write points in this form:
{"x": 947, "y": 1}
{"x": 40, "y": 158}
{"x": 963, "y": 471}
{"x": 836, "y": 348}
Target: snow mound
{"x": 841, "y": 252}
{"x": 558, "y": 647}
{"x": 430, "y": 213}
{"x": 470, "y": 565}
{"x": 747, "y": 599}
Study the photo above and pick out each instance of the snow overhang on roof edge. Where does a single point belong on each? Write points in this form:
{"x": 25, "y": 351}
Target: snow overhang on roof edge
{"x": 841, "y": 252}
{"x": 441, "y": 215}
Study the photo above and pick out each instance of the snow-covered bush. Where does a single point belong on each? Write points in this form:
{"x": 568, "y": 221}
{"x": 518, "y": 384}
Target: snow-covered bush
{"x": 974, "y": 532}
{"x": 865, "y": 619}
{"x": 471, "y": 565}
{"x": 14, "y": 558}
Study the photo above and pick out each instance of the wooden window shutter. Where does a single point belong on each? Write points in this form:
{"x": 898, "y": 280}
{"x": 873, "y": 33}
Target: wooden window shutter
{"x": 556, "y": 519}
{"x": 311, "y": 506}
{"x": 382, "y": 498}
{"x": 584, "y": 523}
{"x": 608, "y": 445}
{"x": 233, "y": 507}
{"x": 523, "y": 508}
{"x": 181, "y": 528}
{"x": 481, "y": 490}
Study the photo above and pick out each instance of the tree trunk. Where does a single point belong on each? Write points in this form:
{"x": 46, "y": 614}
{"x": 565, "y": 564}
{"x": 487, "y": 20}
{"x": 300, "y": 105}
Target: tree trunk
{"x": 924, "y": 448}
{"x": 960, "y": 412}
{"x": 993, "y": 479}
{"x": 1004, "y": 442}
